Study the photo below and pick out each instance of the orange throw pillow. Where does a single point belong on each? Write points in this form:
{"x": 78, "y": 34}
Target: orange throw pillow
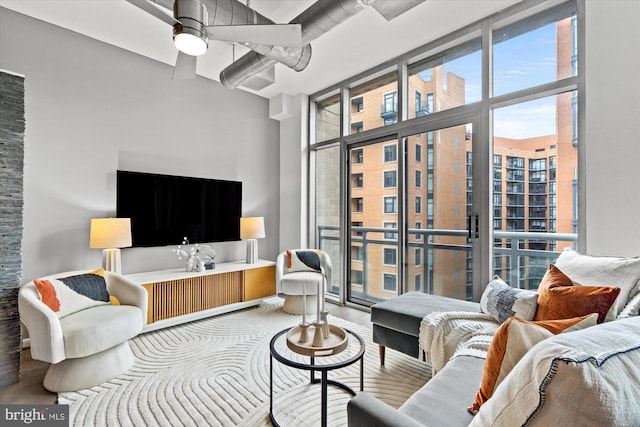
{"x": 560, "y": 298}
{"x": 511, "y": 342}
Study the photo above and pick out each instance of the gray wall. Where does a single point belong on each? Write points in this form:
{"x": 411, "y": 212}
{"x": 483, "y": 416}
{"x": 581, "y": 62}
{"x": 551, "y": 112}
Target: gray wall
{"x": 613, "y": 142}
{"x": 294, "y": 180}
{"x": 92, "y": 108}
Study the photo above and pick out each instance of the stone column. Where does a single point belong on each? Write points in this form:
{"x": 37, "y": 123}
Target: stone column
{"x": 11, "y": 203}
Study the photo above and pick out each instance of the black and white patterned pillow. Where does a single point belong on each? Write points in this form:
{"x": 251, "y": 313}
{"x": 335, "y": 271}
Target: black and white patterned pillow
{"x": 502, "y": 301}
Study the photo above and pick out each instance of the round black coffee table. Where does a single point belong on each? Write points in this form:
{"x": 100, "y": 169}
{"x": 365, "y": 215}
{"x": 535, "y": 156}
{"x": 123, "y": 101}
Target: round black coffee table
{"x": 284, "y": 355}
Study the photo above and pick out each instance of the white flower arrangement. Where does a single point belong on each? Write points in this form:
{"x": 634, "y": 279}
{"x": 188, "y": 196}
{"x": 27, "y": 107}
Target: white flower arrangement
{"x": 198, "y": 256}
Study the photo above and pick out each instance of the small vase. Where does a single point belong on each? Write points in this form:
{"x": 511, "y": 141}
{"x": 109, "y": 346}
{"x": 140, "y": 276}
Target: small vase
{"x": 201, "y": 266}
{"x": 190, "y": 264}
{"x": 325, "y": 323}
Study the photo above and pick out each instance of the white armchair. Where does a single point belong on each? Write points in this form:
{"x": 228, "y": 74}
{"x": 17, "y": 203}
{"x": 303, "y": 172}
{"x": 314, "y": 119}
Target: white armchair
{"x": 88, "y": 347}
{"x": 294, "y": 282}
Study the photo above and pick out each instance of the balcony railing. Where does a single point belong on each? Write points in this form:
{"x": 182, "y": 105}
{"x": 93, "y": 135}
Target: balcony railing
{"x": 424, "y": 108}
{"x": 519, "y": 266}
{"x": 389, "y": 111}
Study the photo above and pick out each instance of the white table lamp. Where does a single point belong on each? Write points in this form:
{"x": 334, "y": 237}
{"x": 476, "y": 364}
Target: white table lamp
{"x": 251, "y": 229}
{"x": 110, "y": 234}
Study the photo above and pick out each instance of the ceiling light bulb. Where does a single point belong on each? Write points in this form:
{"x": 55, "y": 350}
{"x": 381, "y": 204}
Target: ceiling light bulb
{"x": 190, "y": 44}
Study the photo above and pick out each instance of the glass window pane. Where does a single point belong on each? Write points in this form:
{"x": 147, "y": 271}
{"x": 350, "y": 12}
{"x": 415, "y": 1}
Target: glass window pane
{"x": 374, "y": 103}
{"x": 328, "y": 118}
{"x": 540, "y": 186}
{"x": 389, "y": 282}
{"x": 439, "y": 213}
{"x": 449, "y": 81}
{"x": 374, "y": 224}
{"x": 390, "y": 180}
{"x": 391, "y": 153}
{"x": 328, "y": 208}
{"x": 528, "y": 56}
{"x": 389, "y": 256}
{"x": 390, "y": 205}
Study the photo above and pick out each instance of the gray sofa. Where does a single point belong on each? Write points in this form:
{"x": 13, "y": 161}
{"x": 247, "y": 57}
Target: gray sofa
{"x": 441, "y": 402}
{"x": 588, "y": 377}
{"x": 396, "y": 325}
{"x": 584, "y": 377}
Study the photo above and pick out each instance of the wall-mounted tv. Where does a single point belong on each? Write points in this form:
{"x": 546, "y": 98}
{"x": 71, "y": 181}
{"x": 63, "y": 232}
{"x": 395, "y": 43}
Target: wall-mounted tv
{"x": 164, "y": 208}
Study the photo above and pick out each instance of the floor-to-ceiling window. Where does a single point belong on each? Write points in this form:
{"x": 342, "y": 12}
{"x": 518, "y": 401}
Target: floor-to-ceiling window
{"x": 535, "y": 147}
{"x": 458, "y": 163}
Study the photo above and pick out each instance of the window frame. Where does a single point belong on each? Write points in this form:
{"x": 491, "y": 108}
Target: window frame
{"x": 518, "y": 14}
{"x": 394, "y": 147}
{"x": 386, "y": 200}
{"x": 393, "y": 175}
{"x": 392, "y": 252}
{"x": 395, "y": 282}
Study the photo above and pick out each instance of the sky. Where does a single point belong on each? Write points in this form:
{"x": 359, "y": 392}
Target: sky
{"x": 521, "y": 62}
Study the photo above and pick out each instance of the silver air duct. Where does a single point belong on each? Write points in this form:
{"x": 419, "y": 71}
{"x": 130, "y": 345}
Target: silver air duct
{"x": 318, "y": 19}
{"x": 232, "y": 12}
{"x": 221, "y": 12}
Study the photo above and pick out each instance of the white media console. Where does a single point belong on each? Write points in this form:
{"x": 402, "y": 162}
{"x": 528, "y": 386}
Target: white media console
{"x": 177, "y": 296}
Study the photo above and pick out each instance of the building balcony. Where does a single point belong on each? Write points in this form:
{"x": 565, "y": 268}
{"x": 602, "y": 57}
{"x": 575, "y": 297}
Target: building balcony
{"x": 356, "y": 127}
{"x": 424, "y": 109}
{"x": 388, "y": 111}
{"x": 515, "y": 201}
{"x": 538, "y": 228}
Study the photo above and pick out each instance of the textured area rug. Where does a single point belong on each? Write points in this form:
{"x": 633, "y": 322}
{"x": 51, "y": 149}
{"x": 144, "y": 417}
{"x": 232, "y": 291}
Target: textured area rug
{"x": 215, "y": 372}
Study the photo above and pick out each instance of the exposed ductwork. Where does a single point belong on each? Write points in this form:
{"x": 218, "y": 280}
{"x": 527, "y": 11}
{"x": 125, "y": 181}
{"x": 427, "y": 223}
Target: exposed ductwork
{"x": 318, "y": 19}
{"x": 223, "y": 12}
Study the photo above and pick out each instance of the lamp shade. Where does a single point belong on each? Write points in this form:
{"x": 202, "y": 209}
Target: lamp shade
{"x": 110, "y": 233}
{"x": 252, "y": 227}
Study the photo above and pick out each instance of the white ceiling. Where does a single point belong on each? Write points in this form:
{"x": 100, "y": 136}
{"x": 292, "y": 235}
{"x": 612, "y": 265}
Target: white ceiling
{"x": 359, "y": 43}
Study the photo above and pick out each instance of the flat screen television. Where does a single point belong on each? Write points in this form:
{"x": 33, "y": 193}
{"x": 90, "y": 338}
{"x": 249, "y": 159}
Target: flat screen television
{"x": 165, "y": 208}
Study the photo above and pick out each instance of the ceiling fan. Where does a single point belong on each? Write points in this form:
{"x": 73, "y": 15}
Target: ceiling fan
{"x": 191, "y": 31}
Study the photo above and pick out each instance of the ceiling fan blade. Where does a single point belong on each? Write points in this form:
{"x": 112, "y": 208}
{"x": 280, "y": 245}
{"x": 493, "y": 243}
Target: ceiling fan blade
{"x": 288, "y": 35}
{"x": 154, "y": 10}
{"x": 185, "y": 67}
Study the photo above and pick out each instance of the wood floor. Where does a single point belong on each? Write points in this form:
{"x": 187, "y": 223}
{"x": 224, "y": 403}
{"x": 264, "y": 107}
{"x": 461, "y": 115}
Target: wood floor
{"x": 29, "y": 389}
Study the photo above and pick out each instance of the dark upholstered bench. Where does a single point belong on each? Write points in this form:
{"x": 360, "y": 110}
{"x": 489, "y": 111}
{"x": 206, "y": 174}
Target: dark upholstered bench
{"x": 396, "y": 322}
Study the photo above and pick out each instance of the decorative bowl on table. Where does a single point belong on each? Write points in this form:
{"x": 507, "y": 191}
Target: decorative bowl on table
{"x": 336, "y": 341}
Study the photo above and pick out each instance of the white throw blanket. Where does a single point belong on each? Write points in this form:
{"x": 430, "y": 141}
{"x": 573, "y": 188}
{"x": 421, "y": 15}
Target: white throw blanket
{"x": 446, "y": 334}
